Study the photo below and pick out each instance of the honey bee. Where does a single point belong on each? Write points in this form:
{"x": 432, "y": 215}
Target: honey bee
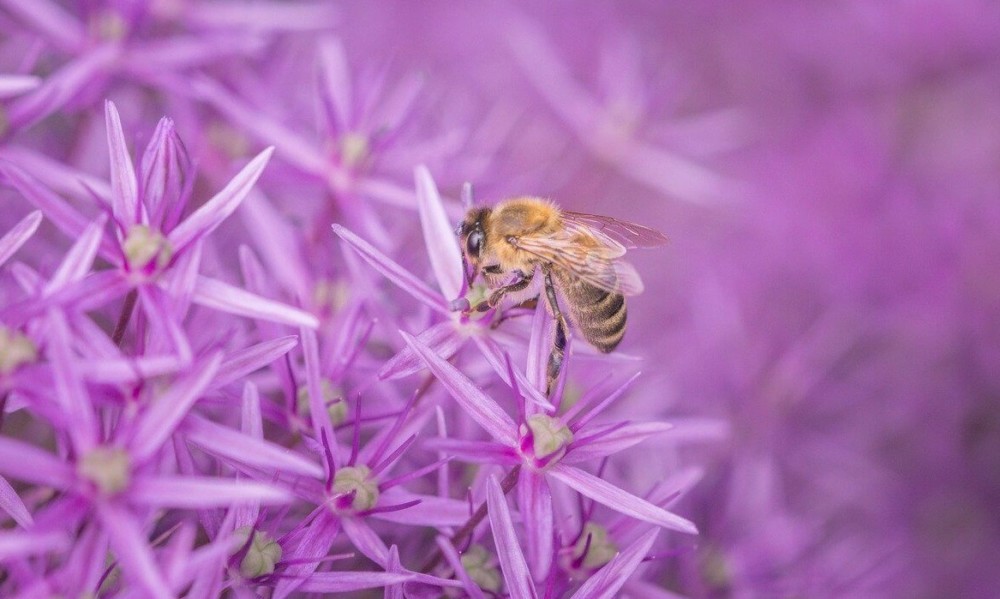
{"x": 577, "y": 256}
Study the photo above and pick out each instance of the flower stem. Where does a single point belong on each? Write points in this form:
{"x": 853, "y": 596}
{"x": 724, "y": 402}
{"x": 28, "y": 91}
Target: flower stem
{"x": 124, "y": 317}
{"x": 508, "y": 483}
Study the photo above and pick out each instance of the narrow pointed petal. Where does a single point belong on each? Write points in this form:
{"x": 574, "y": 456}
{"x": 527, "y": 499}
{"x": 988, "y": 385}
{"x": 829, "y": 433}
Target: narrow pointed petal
{"x": 164, "y": 167}
{"x": 322, "y": 427}
{"x": 71, "y": 393}
{"x": 32, "y": 465}
{"x": 241, "y": 363}
{"x": 60, "y": 87}
{"x": 365, "y": 539}
{"x": 132, "y": 550}
{"x": 130, "y": 370}
{"x": 476, "y": 404}
{"x": 620, "y": 501}
{"x": 124, "y": 188}
{"x": 158, "y": 422}
{"x": 587, "y": 447}
{"x": 393, "y": 271}
{"x": 535, "y": 506}
{"x": 439, "y": 235}
{"x": 300, "y": 549}
{"x": 210, "y": 215}
{"x": 442, "y": 338}
{"x": 495, "y": 357}
{"x": 336, "y": 84}
{"x": 455, "y": 561}
{"x": 277, "y": 242}
{"x": 56, "y": 210}
{"x": 515, "y": 569}
{"x": 15, "y": 85}
{"x": 19, "y": 234}
{"x": 539, "y": 346}
{"x": 215, "y": 294}
{"x": 80, "y": 257}
{"x": 607, "y": 581}
{"x": 18, "y": 544}
{"x": 196, "y": 492}
{"x": 11, "y": 503}
{"x": 346, "y": 582}
{"x": 245, "y": 449}
{"x": 431, "y": 511}
{"x": 51, "y": 20}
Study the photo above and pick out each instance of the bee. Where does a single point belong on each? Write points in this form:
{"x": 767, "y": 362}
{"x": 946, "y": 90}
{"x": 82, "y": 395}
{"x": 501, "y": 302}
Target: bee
{"x": 577, "y": 257}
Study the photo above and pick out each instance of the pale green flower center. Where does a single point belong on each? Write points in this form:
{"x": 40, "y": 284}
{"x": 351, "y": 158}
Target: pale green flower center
{"x": 333, "y": 399}
{"x": 477, "y": 564}
{"x": 599, "y": 551}
{"x": 262, "y": 554}
{"x": 15, "y": 350}
{"x": 354, "y": 149}
{"x": 144, "y": 245}
{"x": 109, "y": 25}
{"x": 714, "y": 569}
{"x": 355, "y": 479}
{"x": 109, "y": 468}
{"x": 331, "y": 296}
{"x": 549, "y": 435}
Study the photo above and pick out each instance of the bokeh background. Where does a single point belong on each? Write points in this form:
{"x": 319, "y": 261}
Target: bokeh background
{"x": 828, "y": 174}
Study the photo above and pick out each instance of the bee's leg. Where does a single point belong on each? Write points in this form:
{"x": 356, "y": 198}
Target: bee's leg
{"x": 522, "y": 282}
{"x": 528, "y": 304}
{"x": 559, "y": 340}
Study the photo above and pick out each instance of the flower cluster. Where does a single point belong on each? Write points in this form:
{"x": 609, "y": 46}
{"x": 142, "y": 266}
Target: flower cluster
{"x": 233, "y": 360}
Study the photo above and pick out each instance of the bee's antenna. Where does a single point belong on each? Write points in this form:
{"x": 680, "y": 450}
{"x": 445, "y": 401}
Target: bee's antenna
{"x": 467, "y": 195}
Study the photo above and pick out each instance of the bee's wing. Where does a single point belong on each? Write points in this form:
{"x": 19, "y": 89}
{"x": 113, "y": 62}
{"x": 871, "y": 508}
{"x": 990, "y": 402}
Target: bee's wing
{"x": 625, "y": 234}
{"x": 597, "y": 265}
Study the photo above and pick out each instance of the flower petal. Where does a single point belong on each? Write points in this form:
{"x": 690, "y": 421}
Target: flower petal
{"x": 133, "y": 550}
{"x": 439, "y": 235}
{"x": 535, "y": 506}
{"x": 442, "y": 338}
{"x": 366, "y": 540}
{"x": 11, "y": 503}
{"x": 197, "y": 492}
{"x": 607, "y": 581}
{"x": 241, "y": 363}
{"x": 18, "y": 544}
{"x": 215, "y": 294}
{"x": 393, "y": 271}
{"x": 515, "y": 569}
{"x": 79, "y": 258}
{"x": 124, "y": 187}
{"x": 210, "y": 215}
{"x": 156, "y": 425}
{"x": 476, "y": 404}
{"x": 621, "y": 501}
{"x": 345, "y": 582}
{"x": 304, "y": 549}
{"x": 495, "y": 357}
{"x": 70, "y": 391}
{"x": 245, "y": 449}
{"x": 19, "y": 234}
{"x": 590, "y": 444}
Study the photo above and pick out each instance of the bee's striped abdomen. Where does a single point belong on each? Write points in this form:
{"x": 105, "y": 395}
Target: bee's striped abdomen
{"x": 599, "y": 314}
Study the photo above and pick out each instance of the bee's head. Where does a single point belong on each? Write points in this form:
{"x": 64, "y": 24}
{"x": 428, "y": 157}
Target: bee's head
{"x": 472, "y": 237}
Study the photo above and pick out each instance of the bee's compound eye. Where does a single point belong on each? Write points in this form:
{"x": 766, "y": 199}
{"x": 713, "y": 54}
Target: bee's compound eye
{"x": 474, "y": 243}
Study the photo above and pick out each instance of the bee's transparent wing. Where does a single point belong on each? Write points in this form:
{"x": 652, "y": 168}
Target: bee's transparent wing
{"x": 598, "y": 265}
{"x": 621, "y": 233}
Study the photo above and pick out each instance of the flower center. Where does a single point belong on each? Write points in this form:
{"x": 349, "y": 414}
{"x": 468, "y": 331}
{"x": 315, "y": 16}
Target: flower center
{"x": 262, "y": 554}
{"x": 333, "y": 399}
{"x": 477, "y": 564}
{"x": 593, "y": 549}
{"x": 108, "y": 468}
{"x": 547, "y": 438}
{"x": 354, "y": 489}
{"x": 354, "y": 149}
{"x": 144, "y": 246}
{"x": 15, "y": 350}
